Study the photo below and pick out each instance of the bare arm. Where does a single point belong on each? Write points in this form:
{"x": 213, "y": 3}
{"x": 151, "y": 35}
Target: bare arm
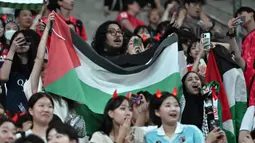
{"x": 35, "y": 75}
{"x": 166, "y": 12}
{"x": 234, "y": 47}
{"x": 6, "y": 68}
{"x": 126, "y": 24}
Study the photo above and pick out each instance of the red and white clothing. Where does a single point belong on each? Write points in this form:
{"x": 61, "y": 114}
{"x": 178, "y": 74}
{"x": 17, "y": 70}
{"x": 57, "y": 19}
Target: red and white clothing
{"x": 133, "y": 20}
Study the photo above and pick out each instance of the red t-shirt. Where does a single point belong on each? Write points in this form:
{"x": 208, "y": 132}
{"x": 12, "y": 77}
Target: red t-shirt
{"x": 80, "y": 30}
{"x": 134, "y": 21}
{"x": 248, "y": 54}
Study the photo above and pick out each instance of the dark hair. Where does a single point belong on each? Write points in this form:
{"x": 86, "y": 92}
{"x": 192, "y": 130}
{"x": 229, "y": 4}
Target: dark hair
{"x": 18, "y": 11}
{"x": 32, "y": 37}
{"x": 128, "y": 2}
{"x": 64, "y": 129}
{"x": 3, "y": 39}
{"x": 22, "y": 119}
{"x": 194, "y": 1}
{"x": 55, "y": 120}
{"x": 52, "y": 5}
{"x": 98, "y": 42}
{"x": 155, "y": 105}
{"x": 29, "y": 139}
{"x": 4, "y": 119}
{"x": 138, "y": 28}
{"x": 190, "y": 59}
{"x": 253, "y": 134}
{"x": 146, "y": 94}
{"x": 35, "y": 97}
{"x": 245, "y": 9}
{"x": 111, "y": 105}
{"x": 162, "y": 26}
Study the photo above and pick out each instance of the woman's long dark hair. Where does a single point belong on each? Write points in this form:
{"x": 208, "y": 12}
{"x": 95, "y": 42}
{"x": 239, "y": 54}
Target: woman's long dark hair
{"x": 190, "y": 59}
{"x": 3, "y": 39}
{"x": 98, "y": 42}
{"x": 34, "y": 38}
{"x": 112, "y": 104}
{"x": 193, "y": 110}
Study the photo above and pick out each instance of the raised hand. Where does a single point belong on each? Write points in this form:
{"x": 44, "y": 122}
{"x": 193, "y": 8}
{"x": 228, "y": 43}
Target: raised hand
{"x": 17, "y": 43}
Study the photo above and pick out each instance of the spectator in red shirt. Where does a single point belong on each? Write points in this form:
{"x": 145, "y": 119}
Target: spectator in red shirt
{"x": 127, "y": 19}
{"x": 65, "y": 7}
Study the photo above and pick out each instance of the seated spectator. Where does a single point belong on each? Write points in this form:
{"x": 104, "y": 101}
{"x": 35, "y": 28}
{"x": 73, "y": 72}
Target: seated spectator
{"x": 41, "y": 109}
{"x": 65, "y": 8}
{"x": 7, "y": 130}
{"x": 113, "y": 5}
{"x": 24, "y": 18}
{"x": 109, "y": 40}
{"x": 17, "y": 67}
{"x": 61, "y": 133}
{"x": 128, "y": 19}
{"x": 29, "y": 139}
{"x": 116, "y": 126}
{"x": 154, "y": 19}
{"x": 165, "y": 111}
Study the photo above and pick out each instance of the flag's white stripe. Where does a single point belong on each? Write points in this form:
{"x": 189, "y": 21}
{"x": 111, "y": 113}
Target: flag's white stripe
{"x": 97, "y": 77}
{"x": 228, "y": 125}
{"x": 23, "y": 1}
{"x": 248, "y": 119}
{"x": 235, "y": 88}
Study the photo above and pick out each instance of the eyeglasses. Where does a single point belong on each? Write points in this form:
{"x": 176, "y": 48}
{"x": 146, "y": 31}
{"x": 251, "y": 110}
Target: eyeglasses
{"x": 114, "y": 32}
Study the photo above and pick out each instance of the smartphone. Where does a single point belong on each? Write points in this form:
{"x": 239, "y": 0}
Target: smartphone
{"x": 136, "y": 99}
{"x": 206, "y": 40}
{"x": 239, "y": 21}
{"x": 137, "y": 42}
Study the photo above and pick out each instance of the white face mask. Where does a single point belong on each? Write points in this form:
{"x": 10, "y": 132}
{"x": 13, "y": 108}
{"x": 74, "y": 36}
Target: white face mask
{"x": 9, "y": 33}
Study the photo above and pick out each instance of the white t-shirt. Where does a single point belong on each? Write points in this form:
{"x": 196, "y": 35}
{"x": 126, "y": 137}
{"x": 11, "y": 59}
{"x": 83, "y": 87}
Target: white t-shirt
{"x": 60, "y": 110}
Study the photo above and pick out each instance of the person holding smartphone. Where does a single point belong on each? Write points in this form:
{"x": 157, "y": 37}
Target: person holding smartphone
{"x": 245, "y": 17}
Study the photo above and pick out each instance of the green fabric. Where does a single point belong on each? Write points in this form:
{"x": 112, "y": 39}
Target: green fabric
{"x": 21, "y": 6}
{"x": 71, "y": 87}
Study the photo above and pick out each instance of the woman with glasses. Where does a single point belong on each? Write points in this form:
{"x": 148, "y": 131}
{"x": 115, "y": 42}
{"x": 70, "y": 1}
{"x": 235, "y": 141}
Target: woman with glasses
{"x": 109, "y": 39}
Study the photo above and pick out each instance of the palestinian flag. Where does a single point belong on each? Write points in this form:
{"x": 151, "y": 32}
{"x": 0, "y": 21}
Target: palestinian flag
{"x": 233, "y": 95}
{"x": 77, "y": 72}
{"x": 22, "y": 4}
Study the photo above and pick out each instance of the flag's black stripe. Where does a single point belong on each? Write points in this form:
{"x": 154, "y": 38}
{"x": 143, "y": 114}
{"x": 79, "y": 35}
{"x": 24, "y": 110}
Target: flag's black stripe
{"x": 224, "y": 60}
{"x": 125, "y": 64}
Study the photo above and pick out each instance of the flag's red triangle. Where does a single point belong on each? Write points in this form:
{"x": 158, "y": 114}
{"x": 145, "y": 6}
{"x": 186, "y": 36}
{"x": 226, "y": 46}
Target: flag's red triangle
{"x": 213, "y": 74}
{"x": 62, "y": 56}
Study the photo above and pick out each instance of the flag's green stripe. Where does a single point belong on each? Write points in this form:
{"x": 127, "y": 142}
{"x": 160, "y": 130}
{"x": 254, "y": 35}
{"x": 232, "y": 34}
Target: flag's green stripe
{"x": 71, "y": 87}
{"x": 230, "y": 136}
{"x": 238, "y": 112}
{"x": 21, "y": 5}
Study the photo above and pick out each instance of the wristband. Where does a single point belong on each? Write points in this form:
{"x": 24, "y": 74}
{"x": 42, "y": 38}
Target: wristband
{"x": 231, "y": 35}
{"x": 6, "y": 59}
